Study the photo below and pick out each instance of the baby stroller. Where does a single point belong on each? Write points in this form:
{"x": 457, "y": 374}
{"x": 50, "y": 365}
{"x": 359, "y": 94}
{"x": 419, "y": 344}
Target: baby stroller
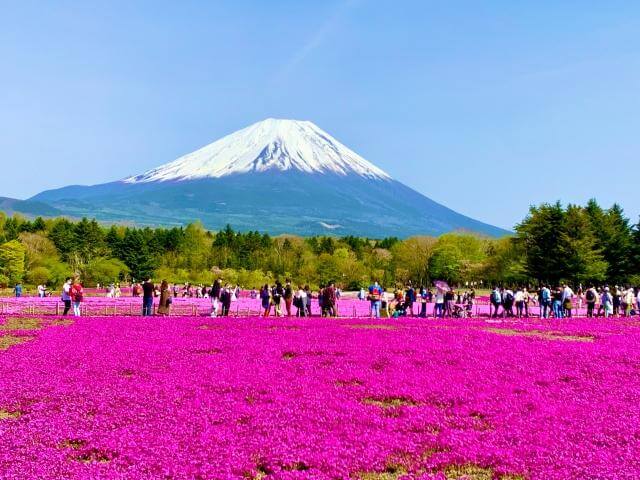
{"x": 459, "y": 311}
{"x": 399, "y": 310}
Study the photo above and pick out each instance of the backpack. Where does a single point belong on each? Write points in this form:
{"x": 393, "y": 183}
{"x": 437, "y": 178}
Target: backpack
{"x": 77, "y": 293}
{"x": 509, "y": 297}
{"x": 495, "y": 296}
{"x": 590, "y": 296}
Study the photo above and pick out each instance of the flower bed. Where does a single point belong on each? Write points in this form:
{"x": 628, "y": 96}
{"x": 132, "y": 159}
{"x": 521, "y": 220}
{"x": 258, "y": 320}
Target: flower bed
{"x": 251, "y": 398}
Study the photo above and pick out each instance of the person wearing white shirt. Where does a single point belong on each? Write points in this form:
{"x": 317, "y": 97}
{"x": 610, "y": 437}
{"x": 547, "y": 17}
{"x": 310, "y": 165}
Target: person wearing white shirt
{"x": 66, "y": 295}
{"x": 567, "y": 297}
{"x": 519, "y": 299}
{"x": 629, "y": 300}
{"x": 300, "y": 302}
{"x": 438, "y": 310}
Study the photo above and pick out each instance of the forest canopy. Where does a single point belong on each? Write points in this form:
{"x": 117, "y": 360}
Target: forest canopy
{"x": 553, "y": 243}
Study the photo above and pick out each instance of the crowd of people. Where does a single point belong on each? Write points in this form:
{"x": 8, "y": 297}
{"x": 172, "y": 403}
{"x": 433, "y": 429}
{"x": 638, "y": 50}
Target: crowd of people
{"x": 286, "y": 300}
{"x": 561, "y": 301}
{"x": 401, "y": 302}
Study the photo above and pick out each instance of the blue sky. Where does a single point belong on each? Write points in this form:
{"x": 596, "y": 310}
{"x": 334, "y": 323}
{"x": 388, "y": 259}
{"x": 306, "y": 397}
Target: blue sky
{"x": 487, "y": 107}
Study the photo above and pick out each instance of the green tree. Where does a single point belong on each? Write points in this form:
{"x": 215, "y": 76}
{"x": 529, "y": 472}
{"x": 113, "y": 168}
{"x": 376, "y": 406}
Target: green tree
{"x": 136, "y": 254}
{"x": 505, "y": 263}
{"x": 539, "y": 234}
{"x": 104, "y": 270}
{"x": 582, "y": 259}
{"x": 614, "y": 236}
{"x": 12, "y": 257}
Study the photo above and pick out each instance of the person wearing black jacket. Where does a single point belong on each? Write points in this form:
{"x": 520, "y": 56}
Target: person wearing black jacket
{"x": 276, "y": 295}
{"x": 225, "y": 299}
{"x": 215, "y": 297}
{"x": 148, "y": 290}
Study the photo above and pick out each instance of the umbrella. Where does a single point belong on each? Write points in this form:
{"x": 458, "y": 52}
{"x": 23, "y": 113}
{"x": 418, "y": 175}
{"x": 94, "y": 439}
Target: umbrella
{"x": 442, "y": 285}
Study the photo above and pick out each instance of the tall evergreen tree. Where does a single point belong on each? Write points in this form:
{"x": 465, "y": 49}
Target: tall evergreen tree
{"x": 578, "y": 249}
{"x": 613, "y": 234}
{"x": 539, "y": 234}
{"x": 135, "y": 253}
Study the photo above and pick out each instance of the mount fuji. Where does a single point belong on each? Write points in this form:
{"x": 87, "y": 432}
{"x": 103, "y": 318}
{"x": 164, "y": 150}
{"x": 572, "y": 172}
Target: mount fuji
{"x": 276, "y": 176}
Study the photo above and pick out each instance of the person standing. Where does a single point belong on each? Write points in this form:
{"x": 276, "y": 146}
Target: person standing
{"x": 276, "y": 297}
{"x": 438, "y": 309}
{"x": 329, "y": 300}
{"x": 449, "y": 300}
{"x": 629, "y": 300}
{"x": 309, "y": 295}
{"x": 225, "y": 299}
{"x": 617, "y": 300}
{"x": 423, "y": 302}
{"x": 66, "y": 295}
{"x": 265, "y": 299}
{"x": 362, "y": 294}
{"x": 527, "y": 299}
{"x": 519, "y": 299}
{"x": 496, "y": 300}
{"x": 301, "y": 302}
{"x": 215, "y": 297}
{"x": 409, "y": 299}
{"x": 375, "y": 297}
{"x": 288, "y": 296}
{"x": 545, "y": 301}
{"x": 607, "y": 302}
{"x": 77, "y": 295}
{"x": 591, "y": 295}
{"x": 17, "y": 290}
{"x": 148, "y": 290}
{"x": 164, "y": 305}
{"x": 557, "y": 303}
{"x": 567, "y": 300}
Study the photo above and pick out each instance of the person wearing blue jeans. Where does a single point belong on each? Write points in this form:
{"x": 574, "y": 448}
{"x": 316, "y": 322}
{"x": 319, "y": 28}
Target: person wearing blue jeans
{"x": 148, "y": 290}
{"x": 375, "y": 297}
{"x": 375, "y": 308}
{"x": 557, "y": 304}
{"x": 545, "y": 301}
{"x": 147, "y": 307}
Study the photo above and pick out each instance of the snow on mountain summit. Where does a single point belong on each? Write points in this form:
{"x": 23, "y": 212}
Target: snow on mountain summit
{"x": 272, "y": 144}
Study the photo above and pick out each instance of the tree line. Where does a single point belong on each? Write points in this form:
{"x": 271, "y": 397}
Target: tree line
{"x": 553, "y": 243}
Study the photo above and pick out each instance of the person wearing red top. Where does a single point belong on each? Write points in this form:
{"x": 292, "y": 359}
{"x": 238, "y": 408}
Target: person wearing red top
{"x": 329, "y": 300}
{"x": 77, "y": 295}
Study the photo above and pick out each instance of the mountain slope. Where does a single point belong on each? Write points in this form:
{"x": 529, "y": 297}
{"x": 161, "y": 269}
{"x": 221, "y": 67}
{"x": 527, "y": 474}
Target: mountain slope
{"x": 27, "y": 207}
{"x": 278, "y": 176}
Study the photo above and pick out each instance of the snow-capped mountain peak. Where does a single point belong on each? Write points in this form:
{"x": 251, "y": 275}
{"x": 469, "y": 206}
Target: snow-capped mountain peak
{"x": 272, "y": 144}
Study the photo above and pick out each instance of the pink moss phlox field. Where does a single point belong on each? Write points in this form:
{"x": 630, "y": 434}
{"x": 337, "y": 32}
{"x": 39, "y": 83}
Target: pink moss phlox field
{"x": 250, "y": 398}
